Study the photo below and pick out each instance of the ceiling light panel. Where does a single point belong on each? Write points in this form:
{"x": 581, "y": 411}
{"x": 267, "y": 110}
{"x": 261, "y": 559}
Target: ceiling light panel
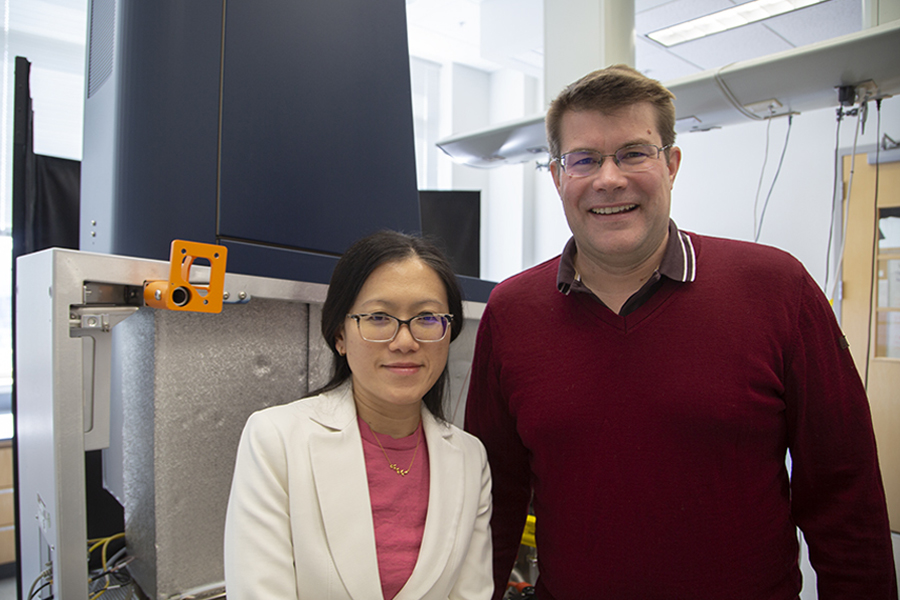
{"x": 737, "y": 16}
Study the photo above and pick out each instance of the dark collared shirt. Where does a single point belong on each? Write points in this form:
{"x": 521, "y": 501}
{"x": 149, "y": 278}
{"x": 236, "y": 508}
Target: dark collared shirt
{"x": 679, "y": 263}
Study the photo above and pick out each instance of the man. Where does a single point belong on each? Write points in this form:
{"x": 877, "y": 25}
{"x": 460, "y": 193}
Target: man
{"x": 641, "y": 391}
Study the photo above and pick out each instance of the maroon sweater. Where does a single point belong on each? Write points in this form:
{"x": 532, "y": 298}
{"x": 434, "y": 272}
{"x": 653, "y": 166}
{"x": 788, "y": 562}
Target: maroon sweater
{"x": 655, "y": 442}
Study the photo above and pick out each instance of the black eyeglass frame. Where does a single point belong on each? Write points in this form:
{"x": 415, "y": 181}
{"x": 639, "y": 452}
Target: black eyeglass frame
{"x": 408, "y": 322}
{"x": 614, "y": 156}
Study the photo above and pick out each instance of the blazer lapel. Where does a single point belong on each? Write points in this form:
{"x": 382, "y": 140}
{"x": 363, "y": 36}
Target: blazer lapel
{"x": 445, "y": 504}
{"x": 339, "y": 475}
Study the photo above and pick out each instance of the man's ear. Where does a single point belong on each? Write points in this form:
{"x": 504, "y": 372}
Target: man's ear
{"x": 556, "y": 172}
{"x": 673, "y": 164}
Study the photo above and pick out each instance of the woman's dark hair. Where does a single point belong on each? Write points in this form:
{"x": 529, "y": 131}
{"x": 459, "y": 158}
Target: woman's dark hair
{"x": 352, "y": 271}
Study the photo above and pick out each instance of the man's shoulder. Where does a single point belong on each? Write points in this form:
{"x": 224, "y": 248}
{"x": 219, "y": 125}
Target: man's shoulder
{"x": 715, "y": 251}
{"x": 540, "y": 278}
{"x": 533, "y": 286}
{"x": 748, "y": 268}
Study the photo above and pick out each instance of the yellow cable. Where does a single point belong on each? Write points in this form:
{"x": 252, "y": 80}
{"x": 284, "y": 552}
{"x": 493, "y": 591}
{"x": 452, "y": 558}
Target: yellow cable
{"x": 106, "y": 545}
{"x": 98, "y": 594}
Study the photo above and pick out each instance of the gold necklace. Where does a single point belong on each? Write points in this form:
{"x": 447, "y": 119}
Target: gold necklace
{"x": 398, "y": 470}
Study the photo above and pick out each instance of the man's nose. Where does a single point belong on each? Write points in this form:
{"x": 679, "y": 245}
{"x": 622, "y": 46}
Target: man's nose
{"x": 609, "y": 175}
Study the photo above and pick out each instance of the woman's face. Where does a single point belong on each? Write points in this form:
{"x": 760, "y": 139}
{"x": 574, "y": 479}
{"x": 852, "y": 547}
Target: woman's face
{"x": 391, "y": 377}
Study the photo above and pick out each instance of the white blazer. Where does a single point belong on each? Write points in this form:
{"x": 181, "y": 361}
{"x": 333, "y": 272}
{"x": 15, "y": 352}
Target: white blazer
{"x": 299, "y": 522}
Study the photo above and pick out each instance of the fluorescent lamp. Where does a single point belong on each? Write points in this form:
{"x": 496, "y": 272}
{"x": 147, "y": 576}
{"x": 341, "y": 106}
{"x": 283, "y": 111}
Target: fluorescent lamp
{"x": 743, "y": 14}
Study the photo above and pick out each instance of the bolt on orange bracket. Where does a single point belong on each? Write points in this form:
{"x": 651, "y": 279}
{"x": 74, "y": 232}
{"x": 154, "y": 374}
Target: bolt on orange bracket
{"x": 179, "y": 293}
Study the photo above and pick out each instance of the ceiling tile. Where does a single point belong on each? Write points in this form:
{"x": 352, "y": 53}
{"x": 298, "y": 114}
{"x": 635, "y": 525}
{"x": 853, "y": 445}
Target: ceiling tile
{"x": 743, "y": 43}
{"x": 658, "y": 63}
{"x": 819, "y": 22}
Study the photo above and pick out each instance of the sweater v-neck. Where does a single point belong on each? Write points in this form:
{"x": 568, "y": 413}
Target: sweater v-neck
{"x": 634, "y": 319}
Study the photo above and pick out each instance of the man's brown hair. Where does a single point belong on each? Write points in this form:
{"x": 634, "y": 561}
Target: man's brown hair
{"x": 606, "y": 91}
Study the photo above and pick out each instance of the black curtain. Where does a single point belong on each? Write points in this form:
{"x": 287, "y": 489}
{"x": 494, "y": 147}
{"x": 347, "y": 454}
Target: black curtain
{"x": 23, "y": 186}
{"x": 51, "y": 213}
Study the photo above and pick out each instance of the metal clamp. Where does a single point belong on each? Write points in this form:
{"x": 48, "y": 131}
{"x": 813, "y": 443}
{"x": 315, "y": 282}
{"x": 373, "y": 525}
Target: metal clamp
{"x": 94, "y": 324}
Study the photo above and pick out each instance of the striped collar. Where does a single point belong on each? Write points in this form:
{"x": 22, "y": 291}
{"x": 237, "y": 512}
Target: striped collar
{"x": 679, "y": 262}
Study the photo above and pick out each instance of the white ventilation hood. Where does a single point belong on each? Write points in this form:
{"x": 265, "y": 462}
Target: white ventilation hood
{"x": 793, "y": 81}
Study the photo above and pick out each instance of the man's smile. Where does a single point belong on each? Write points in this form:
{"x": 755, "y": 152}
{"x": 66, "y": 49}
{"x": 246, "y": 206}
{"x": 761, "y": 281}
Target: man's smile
{"x": 612, "y": 210}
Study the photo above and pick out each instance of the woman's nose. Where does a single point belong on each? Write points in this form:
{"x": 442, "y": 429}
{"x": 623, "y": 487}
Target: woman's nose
{"x": 404, "y": 339}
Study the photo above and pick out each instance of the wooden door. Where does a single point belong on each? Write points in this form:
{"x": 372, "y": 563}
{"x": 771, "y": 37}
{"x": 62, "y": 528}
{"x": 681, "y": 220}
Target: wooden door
{"x": 871, "y": 306}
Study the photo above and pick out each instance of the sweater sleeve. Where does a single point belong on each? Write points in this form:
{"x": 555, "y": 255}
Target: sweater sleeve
{"x": 488, "y": 416}
{"x": 837, "y": 497}
{"x": 259, "y": 556}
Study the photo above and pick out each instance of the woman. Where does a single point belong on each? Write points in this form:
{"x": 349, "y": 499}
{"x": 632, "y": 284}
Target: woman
{"x": 362, "y": 490}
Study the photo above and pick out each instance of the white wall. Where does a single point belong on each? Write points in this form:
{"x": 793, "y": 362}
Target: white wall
{"x": 716, "y": 189}
{"x": 479, "y": 99}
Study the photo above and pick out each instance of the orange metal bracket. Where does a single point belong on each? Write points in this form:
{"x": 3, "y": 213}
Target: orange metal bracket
{"x": 179, "y": 293}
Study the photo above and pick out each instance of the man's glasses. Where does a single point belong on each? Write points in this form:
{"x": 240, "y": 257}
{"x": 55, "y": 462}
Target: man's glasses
{"x": 629, "y": 159}
{"x": 382, "y": 327}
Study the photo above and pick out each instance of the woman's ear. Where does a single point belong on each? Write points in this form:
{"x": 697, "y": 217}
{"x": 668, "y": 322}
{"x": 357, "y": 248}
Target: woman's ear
{"x": 339, "y": 343}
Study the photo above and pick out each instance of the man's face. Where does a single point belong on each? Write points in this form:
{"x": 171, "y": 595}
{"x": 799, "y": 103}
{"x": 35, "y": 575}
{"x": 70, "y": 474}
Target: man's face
{"x": 619, "y": 220}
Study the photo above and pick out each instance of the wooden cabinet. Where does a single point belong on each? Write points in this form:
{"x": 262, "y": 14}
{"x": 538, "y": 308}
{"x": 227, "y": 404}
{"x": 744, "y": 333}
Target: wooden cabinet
{"x": 7, "y": 495}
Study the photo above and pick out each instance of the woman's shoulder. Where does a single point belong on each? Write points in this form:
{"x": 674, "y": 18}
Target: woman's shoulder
{"x": 324, "y": 405}
{"x": 280, "y": 417}
{"x": 463, "y": 439}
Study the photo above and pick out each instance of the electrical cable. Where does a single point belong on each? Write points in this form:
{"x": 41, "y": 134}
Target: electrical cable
{"x": 114, "y": 570}
{"x": 729, "y": 95}
{"x": 874, "y": 271}
{"x": 775, "y": 179}
{"x": 846, "y": 211}
{"x": 834, "y": 197}
{"x": 33, "y": 592}
{"x": 42, "y": 575}
{"x": 116, "y": 557}
{"x": 106, "y": 546}
{"x": 98, "y": 594}
{"x": 103, "y": 543}
{"x": 761, "y": 173}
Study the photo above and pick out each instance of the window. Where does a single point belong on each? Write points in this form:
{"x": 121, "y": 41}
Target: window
{"x": 887, "y": 308}
{"x": 425, "y": 78}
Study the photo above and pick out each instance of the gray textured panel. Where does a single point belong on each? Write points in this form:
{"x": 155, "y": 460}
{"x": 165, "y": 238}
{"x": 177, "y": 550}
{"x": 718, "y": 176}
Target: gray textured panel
{"x": 188, "y": 395}
{"x": 321, "y": 359}
{"x": 137, "y": 338}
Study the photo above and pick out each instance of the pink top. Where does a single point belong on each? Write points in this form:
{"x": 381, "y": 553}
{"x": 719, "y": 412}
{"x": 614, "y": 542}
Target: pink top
{"x": 399, "y": 504}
